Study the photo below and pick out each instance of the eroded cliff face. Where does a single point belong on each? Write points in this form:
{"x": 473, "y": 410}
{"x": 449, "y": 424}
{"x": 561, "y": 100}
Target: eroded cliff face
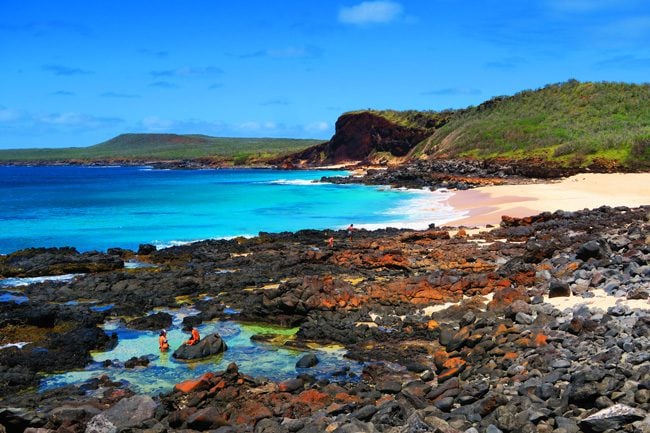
{"x": 362, "y": 136}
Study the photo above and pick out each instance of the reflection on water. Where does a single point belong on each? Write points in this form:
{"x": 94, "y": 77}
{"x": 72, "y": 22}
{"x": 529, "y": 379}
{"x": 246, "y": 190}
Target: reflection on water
{"x": 16, "y": 297}
{"x": 19, "y": 282}
{"x": 253, "y": 358}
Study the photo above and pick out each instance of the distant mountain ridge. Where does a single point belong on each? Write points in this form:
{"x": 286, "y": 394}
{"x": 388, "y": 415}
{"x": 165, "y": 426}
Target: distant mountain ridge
{"x": 568, "y": 124}
{"x": 142, "y": 147}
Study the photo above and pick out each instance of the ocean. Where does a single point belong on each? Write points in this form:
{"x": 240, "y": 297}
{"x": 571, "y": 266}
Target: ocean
{"x": 95, "y": 208}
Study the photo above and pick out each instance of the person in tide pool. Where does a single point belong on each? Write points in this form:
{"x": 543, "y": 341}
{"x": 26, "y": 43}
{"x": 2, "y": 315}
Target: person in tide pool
{"x": 162, "y": 341}
{"x": 194, "y": 337}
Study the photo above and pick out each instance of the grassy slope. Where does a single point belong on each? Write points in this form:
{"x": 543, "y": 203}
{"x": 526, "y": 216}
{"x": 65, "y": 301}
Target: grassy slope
{"x": 167, "y": 146}
{"x": 572, "y": 123}
{"x": 412, "y": 118}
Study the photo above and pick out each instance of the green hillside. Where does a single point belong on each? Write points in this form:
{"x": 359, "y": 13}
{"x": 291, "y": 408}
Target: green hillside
{"x": 412, "y": 118}
{"x": 571, "y": 123}
{"x": 168, "y": 147}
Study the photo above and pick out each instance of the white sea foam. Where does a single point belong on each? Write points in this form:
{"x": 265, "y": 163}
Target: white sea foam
{"x": 19, "y": 345}
{"x": 18, "y": 282}
{"x": 301, "y": 182}
{"x": 136, "y": 264}
{"x": 175, "y": 243}
{"x": 427, "y": 207}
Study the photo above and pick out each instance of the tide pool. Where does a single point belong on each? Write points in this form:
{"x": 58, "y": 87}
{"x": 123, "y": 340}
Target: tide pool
{"x": 95, "y": 208}
{"x": 274, "y": 361}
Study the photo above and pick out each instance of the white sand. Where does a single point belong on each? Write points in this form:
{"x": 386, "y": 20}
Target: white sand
{"x": 601, "y": 300}
{"x": 487, "y": 204}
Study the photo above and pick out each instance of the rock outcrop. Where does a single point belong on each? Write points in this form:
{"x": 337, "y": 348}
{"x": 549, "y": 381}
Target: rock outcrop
{"x": 210, "y": 345}
{"x": 361, "y": 135}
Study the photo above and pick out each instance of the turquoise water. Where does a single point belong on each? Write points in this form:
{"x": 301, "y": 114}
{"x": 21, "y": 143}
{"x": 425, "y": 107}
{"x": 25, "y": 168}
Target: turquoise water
{"x": 95, "y": 208}
{"x": 273, "y": 361}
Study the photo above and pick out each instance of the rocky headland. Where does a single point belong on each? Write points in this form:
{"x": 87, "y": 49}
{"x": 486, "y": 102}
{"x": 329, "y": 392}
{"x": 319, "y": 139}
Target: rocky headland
{"x": 458, "y": 330}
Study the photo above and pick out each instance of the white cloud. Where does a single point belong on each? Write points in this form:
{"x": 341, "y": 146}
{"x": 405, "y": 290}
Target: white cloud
{"x": 257, "y": 126}
{"x": 371, "y": 12}
{"x": 9, "y": 114}
{"x": 250, "y": 128}
{"x": 13, "y": 119}
{"x": 319, "y": 126}
{"x": 156, "y": 124}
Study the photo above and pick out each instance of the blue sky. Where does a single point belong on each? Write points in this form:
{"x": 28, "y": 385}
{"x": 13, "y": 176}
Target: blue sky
{"x": 76, "y": 73}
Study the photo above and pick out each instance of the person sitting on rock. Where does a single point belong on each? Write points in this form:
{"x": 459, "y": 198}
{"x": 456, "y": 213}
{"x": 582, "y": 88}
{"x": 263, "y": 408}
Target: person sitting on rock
{"x": 163, "y": 344}
{"x": 194, "y": 338}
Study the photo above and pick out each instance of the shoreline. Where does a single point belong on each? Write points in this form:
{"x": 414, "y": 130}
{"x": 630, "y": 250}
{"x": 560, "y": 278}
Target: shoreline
{"x": 486, "y": 205}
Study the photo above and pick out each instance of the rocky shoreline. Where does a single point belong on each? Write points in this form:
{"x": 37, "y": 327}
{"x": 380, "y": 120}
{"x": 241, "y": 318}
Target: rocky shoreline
{"x": 466, "y": 173}
{"x": 502, "y": 359}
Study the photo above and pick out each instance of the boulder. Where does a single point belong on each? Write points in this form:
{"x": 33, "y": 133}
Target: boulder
{"x": 146, "y": 249}
{"x": 612, "y": 418}
{"x": 36, "y": 262}
{"x": 151, "y": 322}
{"x": 307, "y": 361}
{"x": 127, "y": 413}
{"x": 557, "y": 288}
{"x": 210, "y": 345}
{"x": 595, "y": 249}
{"x": 207, "y": 418}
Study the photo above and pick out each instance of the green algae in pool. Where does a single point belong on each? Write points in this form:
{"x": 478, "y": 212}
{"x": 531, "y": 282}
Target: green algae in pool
{"x": 253, "y": 358}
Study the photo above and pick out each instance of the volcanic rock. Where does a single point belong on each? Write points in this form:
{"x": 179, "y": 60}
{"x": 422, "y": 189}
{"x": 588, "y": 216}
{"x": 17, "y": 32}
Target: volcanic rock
{"x": 210, "y": 345}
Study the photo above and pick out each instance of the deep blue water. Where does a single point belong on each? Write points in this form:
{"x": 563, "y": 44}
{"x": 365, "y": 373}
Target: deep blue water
{"x": 95, "y": 208}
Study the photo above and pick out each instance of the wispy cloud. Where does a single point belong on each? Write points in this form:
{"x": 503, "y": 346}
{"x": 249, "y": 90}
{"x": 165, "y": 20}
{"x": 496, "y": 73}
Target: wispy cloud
{"x": 371, "y": 12}
{"x": 65, "y": 70}
{"x": 63, "y": 93}
{"x": 9, "y": 114}
{"x": 251, "y": 128}
{"x": 628, "y": 29}
{"x": 163, "y": 85}
{"x": 12, "y": 118}
{"x": 275, "y": 102}
{"x": 160, "y": 54}
{"x": 624, "y": 62}
{"x": 506, "y": 63}
{"x": 72, "y": 119}
{"x": 587, "y": 6}
{"x": 309, "y": 51}
{"x": 119, "y": 95}
{"x": 319, "y": 126}
{"x": 188, "y": 71}
{"x": 453, "y": 91}
{"x": 45, "y": 28}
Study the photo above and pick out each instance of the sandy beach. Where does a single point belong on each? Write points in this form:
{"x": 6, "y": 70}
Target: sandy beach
{"x": 486, "y": 205}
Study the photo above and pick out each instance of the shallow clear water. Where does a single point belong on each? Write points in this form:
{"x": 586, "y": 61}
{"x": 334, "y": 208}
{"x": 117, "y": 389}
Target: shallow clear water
{"x": 275, "y": 362}
{"x": 102, "y": 207}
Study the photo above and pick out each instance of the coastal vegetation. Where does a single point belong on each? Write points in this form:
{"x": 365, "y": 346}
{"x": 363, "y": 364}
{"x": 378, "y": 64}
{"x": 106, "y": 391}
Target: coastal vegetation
{"x": 237, "y": 151}
{"x": 571, "y": 123}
